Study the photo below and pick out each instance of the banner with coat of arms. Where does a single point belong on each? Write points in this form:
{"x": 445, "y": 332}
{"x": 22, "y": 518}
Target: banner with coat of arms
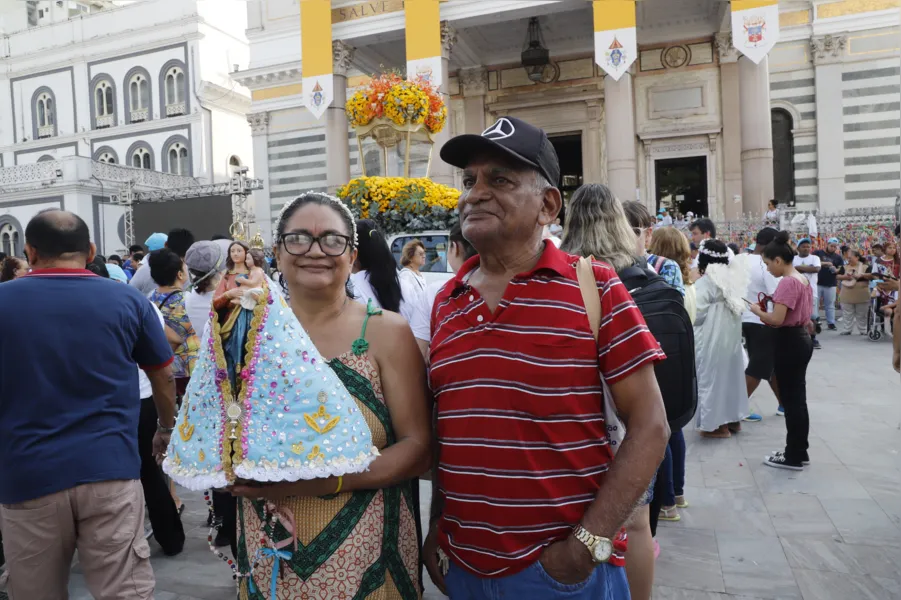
{"x": 423, "y": 31}
{"x": 755, "y": 27}
{"x": 615, "y": 39}
{"x": 316, "y": 55}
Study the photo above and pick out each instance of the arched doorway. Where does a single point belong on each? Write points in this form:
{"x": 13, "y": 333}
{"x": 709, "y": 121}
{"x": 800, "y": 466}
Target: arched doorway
{"x": 783, "y": 157}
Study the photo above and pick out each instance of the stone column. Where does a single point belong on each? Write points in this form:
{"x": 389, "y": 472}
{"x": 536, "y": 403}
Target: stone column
{"x": 442, "y": 172}
{"x": 622, "y": 166}
{"x": 756, "y": 135}
{"x": 262, "y": 202}
{"x": 731, "y": 146}
{"x": 336, "y": 126}
{"x": 827, "y": 55}
{"x": 474, "y": 83}
{"x": 594, "y": 165}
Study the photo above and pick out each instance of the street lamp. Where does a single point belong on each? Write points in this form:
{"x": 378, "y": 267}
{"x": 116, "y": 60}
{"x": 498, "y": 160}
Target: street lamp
{"x": 535, "y": 55}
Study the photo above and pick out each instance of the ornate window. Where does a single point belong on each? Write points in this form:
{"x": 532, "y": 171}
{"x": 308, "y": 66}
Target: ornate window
{"x": 45, "y": 158}
{"x": 107, "y": 155}
{"x": 107, "y": 158}
{"x": 141, "y": 158}
{"x": 103, "y": 102}
{"x": 174, "y": 90}
{"x": 139, "y": 105}
{"x": 10, "y": 236}
{"x": 44, "y": 113}
{"x": 177, "y": 156}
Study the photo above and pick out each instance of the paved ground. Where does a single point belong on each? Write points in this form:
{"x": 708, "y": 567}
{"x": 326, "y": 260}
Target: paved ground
{"x": 832, "y": 532}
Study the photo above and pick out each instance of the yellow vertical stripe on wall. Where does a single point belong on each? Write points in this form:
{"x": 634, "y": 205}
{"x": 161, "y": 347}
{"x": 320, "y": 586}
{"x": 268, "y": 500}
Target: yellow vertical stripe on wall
{"x": 295, "y": 89}
{"x": 738, "y": 5}
{"x": 613, "y": 14}
{"x": 853, "y": 7}
{"x": 794, "y": 18}
{"x": 316, "y": 37}
{"x": 423, "y": 28}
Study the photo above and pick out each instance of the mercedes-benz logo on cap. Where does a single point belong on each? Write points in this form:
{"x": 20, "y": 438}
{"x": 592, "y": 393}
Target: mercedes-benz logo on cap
{"x": 500, "y": 130}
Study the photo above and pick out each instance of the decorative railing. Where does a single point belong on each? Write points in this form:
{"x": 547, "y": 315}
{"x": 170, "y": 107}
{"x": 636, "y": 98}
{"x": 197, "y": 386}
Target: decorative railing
{"x": 36, "y": 172}
{"x": 105, "y": 121}
{"x": 179, "y": 108}
{"x": 138, "y": 116}
{"x": 141, "y": 177}
{"x": 45, "y": 132}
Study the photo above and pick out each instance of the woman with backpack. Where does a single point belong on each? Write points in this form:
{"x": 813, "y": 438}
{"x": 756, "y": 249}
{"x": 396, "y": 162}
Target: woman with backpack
{"x": 722, "y": 394}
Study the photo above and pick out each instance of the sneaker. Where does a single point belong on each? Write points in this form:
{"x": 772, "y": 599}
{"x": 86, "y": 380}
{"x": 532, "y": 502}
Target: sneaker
{"x": 753, "y": 418}
{"x": 816, "y": 345}
{"x": 804, "y": 461}
{"x": 831, "y": 327}
{"x": 780, "y": 412}
{"x": 779, "y": 462}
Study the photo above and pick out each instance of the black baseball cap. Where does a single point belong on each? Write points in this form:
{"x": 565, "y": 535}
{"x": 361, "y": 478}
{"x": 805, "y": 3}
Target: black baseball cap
{"x": 509, "y": 137}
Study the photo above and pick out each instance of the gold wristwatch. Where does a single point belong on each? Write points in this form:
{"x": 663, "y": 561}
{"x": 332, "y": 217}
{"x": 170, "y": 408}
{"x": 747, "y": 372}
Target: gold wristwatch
{"x": 600, "y": 548}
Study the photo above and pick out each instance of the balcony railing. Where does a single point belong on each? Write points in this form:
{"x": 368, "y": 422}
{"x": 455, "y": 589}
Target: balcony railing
{"x": 139, "y": 115}
{"x": 36, "y": 172}
{"x": 141, "y": 177}
{"x": 105, "y": 121}
{"x": 179, "y": 108}
{"x": 45, "y": 132}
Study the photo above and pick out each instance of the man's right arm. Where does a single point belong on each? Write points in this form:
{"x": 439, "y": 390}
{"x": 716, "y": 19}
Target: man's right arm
{"x": 162, "y": 381}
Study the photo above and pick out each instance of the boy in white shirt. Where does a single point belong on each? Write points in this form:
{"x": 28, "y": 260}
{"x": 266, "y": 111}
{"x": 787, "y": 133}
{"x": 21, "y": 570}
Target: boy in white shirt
{"x": 809, "y": 265}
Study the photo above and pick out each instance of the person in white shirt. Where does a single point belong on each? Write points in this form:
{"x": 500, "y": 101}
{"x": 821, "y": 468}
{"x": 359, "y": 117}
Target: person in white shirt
{"x": 206, "y": 262}
{"x": 667, "y": 219}
{"x": 759, "y": 338}
{"x": 809, "y": 265}
{"x": 459, "y": 252}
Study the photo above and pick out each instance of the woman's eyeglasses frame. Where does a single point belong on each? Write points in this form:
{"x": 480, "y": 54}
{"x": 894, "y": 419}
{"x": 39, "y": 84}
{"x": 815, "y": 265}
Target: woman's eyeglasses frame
{"x": 316, "y": 239}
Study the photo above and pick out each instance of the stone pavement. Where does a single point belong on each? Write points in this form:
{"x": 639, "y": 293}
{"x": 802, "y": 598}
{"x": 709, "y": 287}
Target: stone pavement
{"x": 832, "y": 532}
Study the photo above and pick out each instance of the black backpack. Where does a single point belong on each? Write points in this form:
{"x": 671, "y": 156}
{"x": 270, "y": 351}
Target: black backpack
{"x": 663, "y": 309}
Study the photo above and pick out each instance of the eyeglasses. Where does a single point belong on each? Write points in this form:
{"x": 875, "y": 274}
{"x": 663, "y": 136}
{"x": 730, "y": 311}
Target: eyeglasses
{"x": 331, "y": 244}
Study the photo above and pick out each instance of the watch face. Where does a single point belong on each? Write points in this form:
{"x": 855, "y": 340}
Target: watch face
{"x": 602, "y": 550}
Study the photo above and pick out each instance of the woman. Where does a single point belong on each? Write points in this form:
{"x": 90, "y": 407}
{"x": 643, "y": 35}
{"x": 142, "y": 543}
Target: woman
{"x": 597, "y": 226}
{"x": 722, "y": 393}
{"x": 363, "y": 525}
{"x": 888, "y": 262}
{"x": 12, "y": 268}
{"x": 170, "y": 274}
{"x": 205, "y": 261}
{"x": 771, "y": 217}
{"x": 376, "y": 279}
{"x": 855, "y": 293}
{"x": 412, "y": 259}
{"x": 642, "y": 224}
{"x": 791, "y": 308}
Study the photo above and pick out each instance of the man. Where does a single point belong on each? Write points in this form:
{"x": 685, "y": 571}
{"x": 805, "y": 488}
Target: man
{"x": 827, "y": 283}
{"x": 702, "y": 229}
{"x": 178, "y": 240}
{"x": 759, "y": 338}
{"x": 809, "y": 265}
{"x": 520, "y": 498}
{"x": 667, "y": 219}
{"x": 69, "y": 419}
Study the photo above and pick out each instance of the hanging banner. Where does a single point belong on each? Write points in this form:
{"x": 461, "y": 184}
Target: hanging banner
{"x": 615, "y": 39}
{"x": 316, "y": 55}
{"x": 423, "y": 29}
{"x": 755, "y": 27}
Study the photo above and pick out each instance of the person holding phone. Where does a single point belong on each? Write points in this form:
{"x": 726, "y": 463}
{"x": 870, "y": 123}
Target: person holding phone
{"x": 793, "y": 349}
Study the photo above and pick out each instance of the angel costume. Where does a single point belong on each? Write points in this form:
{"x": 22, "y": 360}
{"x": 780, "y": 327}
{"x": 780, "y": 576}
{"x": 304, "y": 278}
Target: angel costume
{"x": 722, "y": 393}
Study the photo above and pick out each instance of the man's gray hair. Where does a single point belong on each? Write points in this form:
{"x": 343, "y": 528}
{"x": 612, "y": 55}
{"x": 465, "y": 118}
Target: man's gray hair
{"x": 541, "y": 183}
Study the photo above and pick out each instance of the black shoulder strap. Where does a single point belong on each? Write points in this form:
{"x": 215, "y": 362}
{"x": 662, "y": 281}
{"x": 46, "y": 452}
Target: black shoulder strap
{"x": 166, "y": 299}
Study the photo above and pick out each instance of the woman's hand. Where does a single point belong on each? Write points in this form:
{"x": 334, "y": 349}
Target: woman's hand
{"x": 281, "y": 490}
{"x": 755, "y": 308}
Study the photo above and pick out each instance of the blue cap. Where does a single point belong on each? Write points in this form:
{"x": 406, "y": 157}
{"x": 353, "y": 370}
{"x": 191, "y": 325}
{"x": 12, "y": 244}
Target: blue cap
{"x": 156, "y": 241}
{"x": 804, "y": 241}
{"x": 116, "y": 272}
{"x": 832, "y": 240}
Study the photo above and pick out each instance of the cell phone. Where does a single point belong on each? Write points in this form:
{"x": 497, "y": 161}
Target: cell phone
{"x": 748, "y": 302}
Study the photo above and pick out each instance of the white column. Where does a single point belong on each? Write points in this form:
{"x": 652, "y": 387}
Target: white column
{"x": 731, "y": 110}
{"x": 441, "y": 171}
{"x": 622, "y": 166}
{"x": 262, "y": 202}
{"x": 337, "y": 147}
{"x": 827, "y": 54}
{"x": 474, "y": 83}
{"x": 756, "y": 135}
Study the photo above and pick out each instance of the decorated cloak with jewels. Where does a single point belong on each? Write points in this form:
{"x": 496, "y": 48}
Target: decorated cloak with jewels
{"x": 272, "y": 411}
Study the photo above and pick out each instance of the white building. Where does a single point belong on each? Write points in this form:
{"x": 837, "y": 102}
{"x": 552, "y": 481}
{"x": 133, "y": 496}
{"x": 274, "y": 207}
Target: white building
{"x": 822, "y": 110}
{"x": 97, "y": 92}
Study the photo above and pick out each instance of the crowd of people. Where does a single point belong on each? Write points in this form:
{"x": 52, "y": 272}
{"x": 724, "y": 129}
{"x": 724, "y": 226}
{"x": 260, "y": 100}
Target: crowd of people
{"x": 535, "y": 390}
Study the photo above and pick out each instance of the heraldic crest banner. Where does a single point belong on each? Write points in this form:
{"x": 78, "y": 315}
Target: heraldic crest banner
{"x": 316, "y": 55}
{"x": 615, "y": 38}
{"x": 755, "y": 27}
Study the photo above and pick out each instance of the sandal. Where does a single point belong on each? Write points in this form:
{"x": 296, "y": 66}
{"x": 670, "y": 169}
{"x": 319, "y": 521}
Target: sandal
{"x": 720, "y": 432}
{"x": 734, "y": 427}
{"x": 669, "y": 513}
{"x": 681, "y": 502}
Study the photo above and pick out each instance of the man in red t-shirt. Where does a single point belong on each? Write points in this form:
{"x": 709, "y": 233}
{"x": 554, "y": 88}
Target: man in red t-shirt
{"x": 526, "y": 491}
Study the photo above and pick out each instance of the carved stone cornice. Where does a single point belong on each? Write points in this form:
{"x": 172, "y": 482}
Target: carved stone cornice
{"x": 725, "y": 48}
{"x": 473, "y": 81}
{"x": 343, "y": 57}
{"x": 448, "y": 38}
{"x": 264, "y": 78}
{"x": 259, "y": 123}
{"x": 827, "y": 49}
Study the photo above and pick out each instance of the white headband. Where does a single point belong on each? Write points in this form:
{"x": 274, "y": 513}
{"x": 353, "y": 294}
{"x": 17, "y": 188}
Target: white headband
{"x": 334, "y": 201}
{"x": 705, "y": 251}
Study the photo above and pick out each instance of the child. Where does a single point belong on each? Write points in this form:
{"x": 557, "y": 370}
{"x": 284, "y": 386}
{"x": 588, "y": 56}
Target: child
{"x": 252, "y": 283}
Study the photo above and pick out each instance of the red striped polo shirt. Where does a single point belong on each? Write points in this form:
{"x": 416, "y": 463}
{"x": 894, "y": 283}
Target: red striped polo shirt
{"x": 523, "y": 445}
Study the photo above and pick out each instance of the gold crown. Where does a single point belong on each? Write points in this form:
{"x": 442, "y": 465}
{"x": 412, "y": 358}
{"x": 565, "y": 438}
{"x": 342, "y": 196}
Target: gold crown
{"x": 238, "y": 232}
{"x": 257, "y": 241}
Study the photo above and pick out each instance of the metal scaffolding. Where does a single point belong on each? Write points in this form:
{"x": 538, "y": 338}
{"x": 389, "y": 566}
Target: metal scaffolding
{"x": 239, "y": 187}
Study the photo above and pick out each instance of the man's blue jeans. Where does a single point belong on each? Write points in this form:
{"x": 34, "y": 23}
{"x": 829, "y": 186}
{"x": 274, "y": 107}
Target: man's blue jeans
{"x": 826, "y": 295}
{"x": 606, "y": 583}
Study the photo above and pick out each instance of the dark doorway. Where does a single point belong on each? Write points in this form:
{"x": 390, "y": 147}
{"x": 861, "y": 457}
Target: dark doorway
{"x": 682, "y": 185}
{"x": 569, "y": 153}
{"x": 783, "y": 158}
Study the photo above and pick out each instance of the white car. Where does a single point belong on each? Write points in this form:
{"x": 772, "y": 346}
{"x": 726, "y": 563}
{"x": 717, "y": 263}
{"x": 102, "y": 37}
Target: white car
{"x": 436, "y": 269}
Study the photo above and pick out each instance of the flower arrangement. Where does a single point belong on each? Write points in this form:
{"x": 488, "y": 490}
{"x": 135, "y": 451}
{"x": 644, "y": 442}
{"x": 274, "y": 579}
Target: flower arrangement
{"x": 399, "y": 204}
{"x": 400, "y": 101}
